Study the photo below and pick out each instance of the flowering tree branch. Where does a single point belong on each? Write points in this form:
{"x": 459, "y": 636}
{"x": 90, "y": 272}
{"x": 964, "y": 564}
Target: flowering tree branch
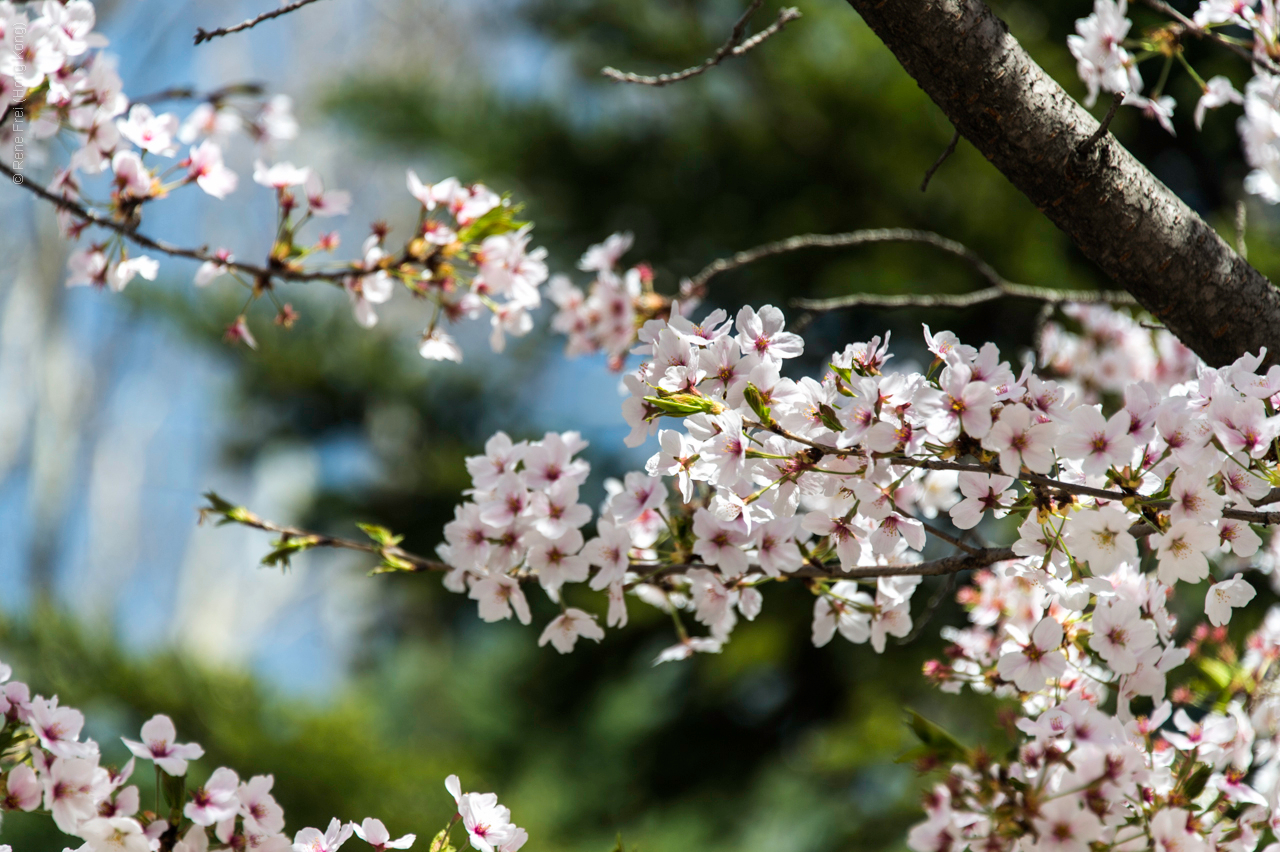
{"x": 294, "y": 540}
{"x": 129, "y": 232}
{"x": 203, "y": 35}
{"x": 736, "y": 45}
{"x": 1120, "y": 216}
{"x": 1189, "y": 26}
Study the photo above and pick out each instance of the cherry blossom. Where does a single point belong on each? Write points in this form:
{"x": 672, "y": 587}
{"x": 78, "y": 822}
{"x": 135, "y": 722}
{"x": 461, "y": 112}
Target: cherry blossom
{"x": 1225, "y": 596}
{"x": 158, "y": 745}
{"x": 564, "y": 630}
{"x": 215, "y": 801}
{"x": 1037, "y": 660}
{"x": 373, "y": 832}
{"x": 313, "y": 840}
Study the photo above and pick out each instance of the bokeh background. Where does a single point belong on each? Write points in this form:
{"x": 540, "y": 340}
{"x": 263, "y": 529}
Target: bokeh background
{"x": 360, "y": 694}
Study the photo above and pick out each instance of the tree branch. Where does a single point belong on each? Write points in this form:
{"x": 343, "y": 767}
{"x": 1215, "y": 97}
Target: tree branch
{"x": 1083, "y": 149}
{"x": 1120, "y": 216}
{"x": 942, "y": 158}
{"x": 81, "y": 212}
{"x": 203, "y": 35}
{"x": 696, "y": 287}
{"x": 306, "y": 540}
{"x": 965, "y": 300}
{"x": 736, "y": 45}
{"x": 1264, "y": 518}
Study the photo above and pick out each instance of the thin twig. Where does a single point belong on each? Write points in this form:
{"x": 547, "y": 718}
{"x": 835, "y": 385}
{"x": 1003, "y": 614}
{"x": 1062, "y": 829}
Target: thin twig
{"x": 736, "y": 45}
{"x": 696, "y": 287}
{"x": 922, "y": 620}
{"x": 966, "y": 300}
{"x": 947, "y": 152}
{"x": 203, "y": 35}
{"x": 190, "y": 93}
{"x": 1087, "y": 145}
{"x": 947, "y": 537}
{"x": 419, "y": 563}
{"x": 129, "y": 233}
{"x": 1242, "y": 220}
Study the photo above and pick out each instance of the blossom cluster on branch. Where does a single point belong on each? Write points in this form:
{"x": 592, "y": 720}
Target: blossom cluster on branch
{"x": 1107, "y": 59}
{"x": 1130, "y": 467}
{"x": 48, "y": 769}
{"x": 466, "y": 255}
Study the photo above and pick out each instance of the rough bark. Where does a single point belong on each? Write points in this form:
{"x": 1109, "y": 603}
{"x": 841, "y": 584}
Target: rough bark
{"x": 1121, "y": 217}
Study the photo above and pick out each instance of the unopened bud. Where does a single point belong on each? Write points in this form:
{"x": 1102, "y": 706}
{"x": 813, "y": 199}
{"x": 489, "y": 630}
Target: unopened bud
{"x": 683, "y": 404}
{"x": 756, "y": 400}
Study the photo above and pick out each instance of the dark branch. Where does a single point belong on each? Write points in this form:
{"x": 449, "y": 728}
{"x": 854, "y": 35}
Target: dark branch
{"x": 965, "y": 300}
{"x": 1120, "y": 216}
{"x": 203, "y": 35}
{"x": 696, "y": 286}
{"x": 190, "y": 93}
{"x": 937, "y": 164}
{"x": 81, "y": 212}
{"x": 1087, "y": 145}
{"x": 736, "y": 45}
{"x": 975, "y": 558}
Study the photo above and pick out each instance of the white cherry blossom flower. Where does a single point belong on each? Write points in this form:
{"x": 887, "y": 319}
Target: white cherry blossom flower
{"x": 1225, "y": 596}
{"x": 564, "y": 630}
{"x": 150, "y": 132}
{"x": 1181, "y": 551}
{"x": 373, "y": 832}
{"x": 1038, "y": 660}
{"x": 312, "y": 840}
{"x": 158, "y": 745}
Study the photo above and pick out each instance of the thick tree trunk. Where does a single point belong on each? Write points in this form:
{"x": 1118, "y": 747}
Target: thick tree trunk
{"x": 1121, "y": 217}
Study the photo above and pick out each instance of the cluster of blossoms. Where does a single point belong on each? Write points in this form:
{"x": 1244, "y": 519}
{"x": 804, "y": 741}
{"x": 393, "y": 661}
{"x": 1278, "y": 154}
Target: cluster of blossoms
{"x": 835, "y": 479}
{"x": 54, "y": 80}
{"x": 1196, "y": 773}
{"x": 48, "y": 768}
{"x": 839, "y": 482}
{"x": 1107, "y": 59}
{"x": 467, "y": 253}
{"x": 605, "y": 318}
{"x": 1110, "y": 350}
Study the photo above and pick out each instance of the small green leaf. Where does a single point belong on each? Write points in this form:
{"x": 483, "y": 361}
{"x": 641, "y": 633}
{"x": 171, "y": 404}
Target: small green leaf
{"x": 391, "y": 563}
{"x": 829, "y": 418}
{"x": 936, "y": 743}
{"x": 440, "y": 843}
{"x": 285, "y": 548}
{"x": 1196, "y": 783}
{"x": 381, "y": 536}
